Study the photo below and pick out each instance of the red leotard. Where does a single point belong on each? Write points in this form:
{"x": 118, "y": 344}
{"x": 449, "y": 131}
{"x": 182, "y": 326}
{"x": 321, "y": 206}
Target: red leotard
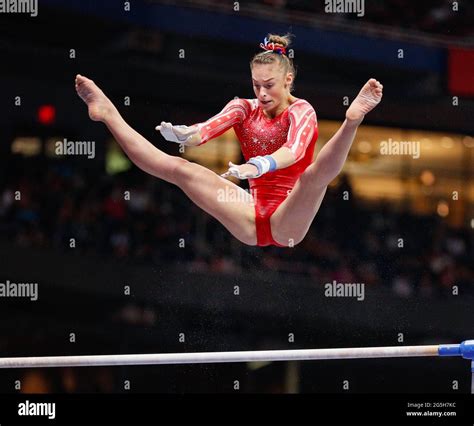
{"x": 296, "y": 128}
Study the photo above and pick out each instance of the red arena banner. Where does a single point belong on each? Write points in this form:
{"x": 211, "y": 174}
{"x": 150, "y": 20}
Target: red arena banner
{"x": 461, "y": 72}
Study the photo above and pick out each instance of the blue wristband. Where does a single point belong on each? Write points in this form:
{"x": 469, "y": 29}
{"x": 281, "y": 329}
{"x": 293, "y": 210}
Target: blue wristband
{"x": 273, "y": 164}
{"x": 263, "y": 164}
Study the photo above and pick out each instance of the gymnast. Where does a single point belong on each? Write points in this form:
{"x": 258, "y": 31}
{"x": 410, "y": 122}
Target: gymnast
{"x": 277, "y": 134}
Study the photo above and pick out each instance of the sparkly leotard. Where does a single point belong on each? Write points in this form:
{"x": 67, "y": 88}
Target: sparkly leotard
{"x": 295, "y": 128}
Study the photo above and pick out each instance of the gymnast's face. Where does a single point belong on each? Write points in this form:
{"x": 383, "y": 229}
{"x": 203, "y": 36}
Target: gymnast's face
{"x": 271, "y": 86}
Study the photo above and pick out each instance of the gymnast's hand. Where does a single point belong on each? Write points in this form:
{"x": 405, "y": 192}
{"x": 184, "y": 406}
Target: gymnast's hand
{"x": 179, "y": 133}
{"x": 244, "y": 171}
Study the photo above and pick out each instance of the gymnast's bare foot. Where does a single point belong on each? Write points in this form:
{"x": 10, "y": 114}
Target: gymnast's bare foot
{"x": 367, "y": 99}
{"x": 100, "y": 107}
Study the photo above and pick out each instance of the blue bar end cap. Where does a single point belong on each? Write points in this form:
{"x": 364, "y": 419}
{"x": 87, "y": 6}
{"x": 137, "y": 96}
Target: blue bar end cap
{"x": 449, "y": 350}
{"x": 467, "y": 349}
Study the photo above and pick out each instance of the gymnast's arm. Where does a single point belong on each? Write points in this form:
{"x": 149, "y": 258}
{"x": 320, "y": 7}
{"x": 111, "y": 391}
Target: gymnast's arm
{"x": 303, "y": 125}
{"x": 233, "y": 113}
{"x": 283, "y": 157}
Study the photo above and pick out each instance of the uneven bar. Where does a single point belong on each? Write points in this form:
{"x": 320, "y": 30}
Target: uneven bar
{"x": 465, "y": 349}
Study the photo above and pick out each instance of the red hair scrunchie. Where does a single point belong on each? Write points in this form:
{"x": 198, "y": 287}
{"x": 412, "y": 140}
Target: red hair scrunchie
{"x": 273, "y": 47}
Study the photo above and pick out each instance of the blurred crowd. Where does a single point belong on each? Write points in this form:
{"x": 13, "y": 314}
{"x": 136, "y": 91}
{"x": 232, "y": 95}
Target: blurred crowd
{"x": 434, "y": 16}
{"x": 144, "y": 220}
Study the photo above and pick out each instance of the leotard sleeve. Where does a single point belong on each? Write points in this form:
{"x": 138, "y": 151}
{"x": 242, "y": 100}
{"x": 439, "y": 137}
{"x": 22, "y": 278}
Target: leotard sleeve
{"x": 233, "y": 113}
{"x": 303, "y": 126}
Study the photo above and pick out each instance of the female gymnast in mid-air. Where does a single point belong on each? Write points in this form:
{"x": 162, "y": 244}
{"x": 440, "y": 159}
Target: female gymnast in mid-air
{"x": 277, "y": 134}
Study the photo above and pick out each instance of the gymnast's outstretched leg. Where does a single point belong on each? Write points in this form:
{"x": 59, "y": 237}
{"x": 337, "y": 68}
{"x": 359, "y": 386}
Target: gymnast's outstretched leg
{"x": 201, "y": 185}
{"x": 294, "y": 216}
